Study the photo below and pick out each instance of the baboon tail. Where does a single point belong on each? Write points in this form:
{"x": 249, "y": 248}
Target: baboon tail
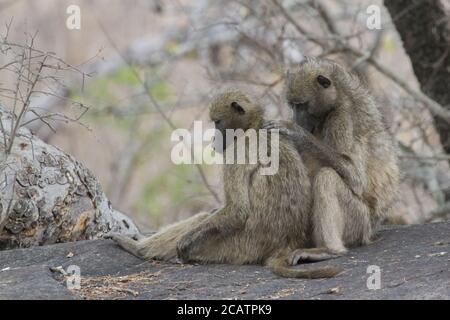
{"x": 281, "y": 268}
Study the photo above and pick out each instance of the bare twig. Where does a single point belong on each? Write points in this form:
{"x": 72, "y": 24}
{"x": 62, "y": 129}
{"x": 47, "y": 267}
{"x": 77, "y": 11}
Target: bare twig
{"x": 34, "y": 71}
{"x": 24, "y": 108}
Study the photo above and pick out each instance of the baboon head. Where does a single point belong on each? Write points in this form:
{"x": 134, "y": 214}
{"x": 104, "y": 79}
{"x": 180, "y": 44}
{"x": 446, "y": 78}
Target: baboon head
{"x": 312, "y": 88}
{"x": 233, "y": 110}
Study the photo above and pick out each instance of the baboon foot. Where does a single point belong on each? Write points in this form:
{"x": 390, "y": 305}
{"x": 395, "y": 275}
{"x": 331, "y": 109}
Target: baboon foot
{"x": 312, "y": 255}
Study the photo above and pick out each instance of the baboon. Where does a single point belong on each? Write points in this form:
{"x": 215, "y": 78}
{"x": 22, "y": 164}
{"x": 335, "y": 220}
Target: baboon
{"x": 350, "y": 156}
{"x": 265, "y": 217}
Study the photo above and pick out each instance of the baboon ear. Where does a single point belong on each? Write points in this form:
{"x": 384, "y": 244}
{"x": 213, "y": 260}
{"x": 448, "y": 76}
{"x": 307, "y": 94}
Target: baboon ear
{"x": 323, "y": 81}
{"x": 236, "y": 107}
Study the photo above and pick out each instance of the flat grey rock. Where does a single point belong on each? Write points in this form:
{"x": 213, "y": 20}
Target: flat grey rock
{"x": 414, "y": 263}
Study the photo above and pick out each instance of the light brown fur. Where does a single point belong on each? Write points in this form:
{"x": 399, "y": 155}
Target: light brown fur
{"x": 350, "y": 155}
{"x": 265, "y": 217}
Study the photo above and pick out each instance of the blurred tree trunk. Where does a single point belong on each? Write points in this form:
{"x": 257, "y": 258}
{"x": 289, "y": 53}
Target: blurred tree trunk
{"x": 424, "y": 26}
{"x": 46, "y": 196}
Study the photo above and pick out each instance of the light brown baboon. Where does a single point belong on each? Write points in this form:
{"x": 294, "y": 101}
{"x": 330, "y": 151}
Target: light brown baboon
{"x": 265, "y": 217}
{"x": 350, "y": 156}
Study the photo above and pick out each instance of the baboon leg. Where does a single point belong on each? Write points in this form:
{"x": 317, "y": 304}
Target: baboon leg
{"x": 218, "y": 250}
{"x": 163, "y": 244}
{"x": 209, "y": 241}
{"x": 339, "y": 218}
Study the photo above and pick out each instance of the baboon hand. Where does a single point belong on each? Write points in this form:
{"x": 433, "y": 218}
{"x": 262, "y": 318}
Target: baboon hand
{"x": 114, "y": 236}
{"x": 283, "y": 129}
{"x": 275, "y": 125}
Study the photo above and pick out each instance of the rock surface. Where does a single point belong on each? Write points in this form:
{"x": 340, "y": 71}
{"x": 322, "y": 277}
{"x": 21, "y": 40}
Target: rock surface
{"x": 414, "y": 262}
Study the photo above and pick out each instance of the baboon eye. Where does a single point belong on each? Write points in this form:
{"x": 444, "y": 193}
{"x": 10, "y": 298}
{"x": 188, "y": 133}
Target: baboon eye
{"x": 323, "y": 81}
{"x": 237, "y": 107}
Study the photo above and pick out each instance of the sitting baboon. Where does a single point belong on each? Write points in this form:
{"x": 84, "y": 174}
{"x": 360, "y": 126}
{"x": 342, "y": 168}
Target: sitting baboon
{"x": 265, "y": 217}
{"x": 350, "y": 155}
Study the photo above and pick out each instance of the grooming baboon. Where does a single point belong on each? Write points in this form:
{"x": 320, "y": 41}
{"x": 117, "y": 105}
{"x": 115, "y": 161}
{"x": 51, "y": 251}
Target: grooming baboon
{"x": 350, "y": 156}
{"x": 265, "y": 217}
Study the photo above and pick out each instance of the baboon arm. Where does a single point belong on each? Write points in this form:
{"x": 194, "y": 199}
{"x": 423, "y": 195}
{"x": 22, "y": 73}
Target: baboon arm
{"x": 336, "y": 157}
{"x": 340, "y": 162}
{"x": 223, "y": 223}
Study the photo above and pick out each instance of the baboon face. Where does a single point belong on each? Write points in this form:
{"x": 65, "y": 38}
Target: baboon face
{"x": 311, "y": 89}
{"x": 232, "y": 110}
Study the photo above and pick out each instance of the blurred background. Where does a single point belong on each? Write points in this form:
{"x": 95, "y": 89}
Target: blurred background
{"x": 141, "y": 68}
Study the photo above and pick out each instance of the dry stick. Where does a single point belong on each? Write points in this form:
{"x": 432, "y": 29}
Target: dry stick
{"x": 16, "y": 92}
{"x": 432, "y": 105}
{"x": 298, "y": 27}
{"x": 26, "y": 66}
{"x": 332, "y": 28}
{"x": 329, "y": 23}
{"x": 157, "y": 107}
{"x": 2, "y": 130}
{"x": 372, "y": 52}
{"x": 25, "y": 107}
{"x": 64, "y": 66}
{"x": 42, "y": 118}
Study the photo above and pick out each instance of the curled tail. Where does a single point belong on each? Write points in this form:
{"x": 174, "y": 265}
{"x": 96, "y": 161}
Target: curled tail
{"x": 281, "y": 268}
